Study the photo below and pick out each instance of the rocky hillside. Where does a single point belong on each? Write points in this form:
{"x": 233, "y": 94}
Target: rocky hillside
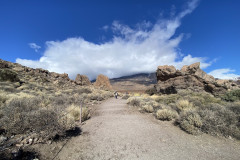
{"x": 170, "y": 80}
{"x": 22, "y": 75}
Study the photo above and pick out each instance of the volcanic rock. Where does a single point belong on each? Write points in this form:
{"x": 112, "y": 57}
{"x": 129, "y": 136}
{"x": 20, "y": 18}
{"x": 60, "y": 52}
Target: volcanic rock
{"x": 170, "y": 80}
{"x": 82, "y": 80}
{"x": 103, "y": 82}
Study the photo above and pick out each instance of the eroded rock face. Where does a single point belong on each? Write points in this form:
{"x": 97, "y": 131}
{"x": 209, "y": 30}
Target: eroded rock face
{"x": 171, "y": 80}
{"x": 103, "y": 82}
{"x": 82, "y": 80}
{"x": 15, "y": 72}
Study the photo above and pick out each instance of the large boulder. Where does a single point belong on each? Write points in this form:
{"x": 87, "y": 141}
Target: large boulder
{"x": 103, "y": 82}
{"x": 82, "y": 80}
{"x": 171, "y": 80}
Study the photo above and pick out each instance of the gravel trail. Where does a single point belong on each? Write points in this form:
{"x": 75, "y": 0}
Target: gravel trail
{"x": 118, "y": 131}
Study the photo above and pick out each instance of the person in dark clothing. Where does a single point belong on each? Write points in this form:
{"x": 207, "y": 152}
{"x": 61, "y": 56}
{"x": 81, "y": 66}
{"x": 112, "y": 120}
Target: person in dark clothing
{"x": 116, "y": 94}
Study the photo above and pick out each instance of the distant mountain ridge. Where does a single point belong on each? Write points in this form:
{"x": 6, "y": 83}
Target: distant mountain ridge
{"x": 137, "y": 82}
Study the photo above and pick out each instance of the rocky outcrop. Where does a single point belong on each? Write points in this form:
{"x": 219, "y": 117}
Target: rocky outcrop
{"x": 103, "y": 82}
{"x": 170, "y": 80}
{"x": 82, "y": 80}
{"x": 15, "y": 72}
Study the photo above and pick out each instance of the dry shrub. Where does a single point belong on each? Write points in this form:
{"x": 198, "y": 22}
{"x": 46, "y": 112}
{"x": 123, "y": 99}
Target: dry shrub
{"x": 8, "y": 75}
{"x": 3, "y": 98}
{"x": 166, "y": 114}
{"x": 183, "y": 105}
{"x": 220, "y": 120}
{"x": 74, "y": 111}
{"x": 190, "y": 122}
{"x": 95, "y": 96}
{"x": 167, "y": 99}
{"x": 232, "y": 96}
{"x": 23, "y": 115}
{"x": 133, "y": 101}
{"x": 148, "y": 108}
{"x": 85, "y": 114}
{"x": 125, "y": 96}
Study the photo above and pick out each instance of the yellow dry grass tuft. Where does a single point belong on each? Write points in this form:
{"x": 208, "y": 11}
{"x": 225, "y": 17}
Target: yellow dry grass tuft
{"x": 184, "y": 105}
{"x": 166, "y": 114}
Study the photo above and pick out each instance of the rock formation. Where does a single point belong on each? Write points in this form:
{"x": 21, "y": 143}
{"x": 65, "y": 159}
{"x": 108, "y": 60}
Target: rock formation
{"x": 103, "y": 82}
{"x": 15, "y": 72}
{"x": 82, "y": 80}
{"x": 170, "y": 80}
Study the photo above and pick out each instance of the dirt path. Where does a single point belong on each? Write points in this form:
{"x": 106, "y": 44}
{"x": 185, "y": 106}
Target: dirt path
{"x": 119, "y": 132}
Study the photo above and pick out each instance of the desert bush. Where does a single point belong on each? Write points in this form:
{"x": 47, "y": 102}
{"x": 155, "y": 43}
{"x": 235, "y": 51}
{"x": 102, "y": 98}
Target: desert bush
{"x": 3, "y": 98}
{"x": 83, "y": 90}
{"x": 167, "y": 99}
{"x": 220, "y": 120}
{"x": 8, "y": 75}
{"x": 232, "y": 96}
{"x": 85, "y": 114}
{"x": 148, "y": 108}
{"x": 74, "y": 111}
{"x": 125, "y": 96}
{"x": 190, "y": 122}
{"x": 183, "y": 105}
{"x": 23, "y": 115}
{"x": 151, "y": 91}
{"x": 133, "y": 101}
{"x": 96, "y": 96}
{"x": 166, "y": 114}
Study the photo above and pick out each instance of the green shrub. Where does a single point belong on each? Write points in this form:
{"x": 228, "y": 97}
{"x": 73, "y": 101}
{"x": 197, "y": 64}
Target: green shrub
{"x": 166, "y": 114}
{"x": 190, "y": 122}
{"x": 232, "y": 96}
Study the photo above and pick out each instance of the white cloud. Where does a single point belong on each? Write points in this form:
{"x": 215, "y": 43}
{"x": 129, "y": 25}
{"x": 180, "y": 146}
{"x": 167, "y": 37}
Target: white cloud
{"x": 224, "y": 73}
{"x": 34, "y": 46}
{"x": 132, "y": 50}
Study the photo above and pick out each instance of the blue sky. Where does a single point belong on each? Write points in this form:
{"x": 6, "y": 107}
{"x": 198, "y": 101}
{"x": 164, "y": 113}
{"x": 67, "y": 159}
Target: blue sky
{"x": 118, "y": 38}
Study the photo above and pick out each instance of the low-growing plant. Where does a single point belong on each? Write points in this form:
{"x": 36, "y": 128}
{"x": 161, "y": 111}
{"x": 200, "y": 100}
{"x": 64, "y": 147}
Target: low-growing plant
{"x": 133, "y": 101}
{"x": 166, "y": 114}
{"x": 125, "y": 96}
{"x": 183, "y": 104}
{"x": 220, "y": 120}
{"x": 23, "y": 115}
{"x": 190, "y": 122}
{"x": 74, "y": 111}
{"x": 148, "y": 108}
{"x": 8, "y": 75}
{"x": 85, "y": 114}
{"x": 232, "y": 96}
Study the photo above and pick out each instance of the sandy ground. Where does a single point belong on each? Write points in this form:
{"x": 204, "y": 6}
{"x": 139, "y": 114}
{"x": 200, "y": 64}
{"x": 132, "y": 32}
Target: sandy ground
{"x": 118, "y": 131}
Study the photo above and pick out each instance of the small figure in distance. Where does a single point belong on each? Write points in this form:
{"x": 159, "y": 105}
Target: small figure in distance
{"x": 116, "y": 94}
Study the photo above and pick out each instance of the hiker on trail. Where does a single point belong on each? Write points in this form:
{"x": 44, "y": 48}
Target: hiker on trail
{"x": 116, "y": 94}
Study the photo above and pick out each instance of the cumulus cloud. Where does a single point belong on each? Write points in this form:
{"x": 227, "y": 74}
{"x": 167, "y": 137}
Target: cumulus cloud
{"x": 131, "y": 50}
{"x": 224, "y": 73}
{"x": 34, "y": 46}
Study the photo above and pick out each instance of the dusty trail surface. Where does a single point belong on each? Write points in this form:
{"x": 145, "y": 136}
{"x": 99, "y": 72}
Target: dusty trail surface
{"x": 117, "y": 131}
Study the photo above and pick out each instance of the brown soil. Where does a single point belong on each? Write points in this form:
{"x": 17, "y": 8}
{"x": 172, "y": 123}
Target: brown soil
{"x": 118, "y": 131}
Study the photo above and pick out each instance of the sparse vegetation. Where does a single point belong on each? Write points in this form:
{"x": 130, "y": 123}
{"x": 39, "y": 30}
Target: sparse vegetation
{"x": 195, "y": 112}
{"x": 166, "y": 114}
{"x": 190, "y": 122}
{"x": 148, "y": 108}
{"x": 232, "y": 96}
